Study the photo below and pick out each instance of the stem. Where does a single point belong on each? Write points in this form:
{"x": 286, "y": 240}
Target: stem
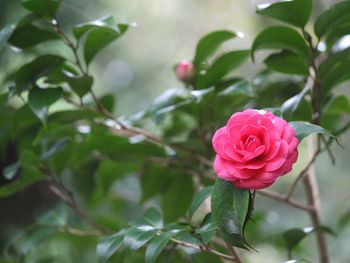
{"x": 310, "y": 182}
{"x": 234, "y": 253}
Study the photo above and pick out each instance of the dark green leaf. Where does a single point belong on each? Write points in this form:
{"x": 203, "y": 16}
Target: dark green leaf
{"x": 30, "y": 35}
{"x": 340, "y": 105}
{"x": 100, "y": 33}
{"x": 281, "y": 37}
{"x": 287, "y": 62}
{"x": 185, "y": 236}
{"x": 47, "y": 8}
{"x": 11, "y": 170}
{"x": 290, "y": 106}
{"x": 209, "y": 43}
{"x": 304, "y": 129}
{"x": 81, "y": 85}
{"x": 230, "y": 208}
{"x": 222, "y": 66}
{"x": 30, "y": 174}
{"x": 344, "y": 221}
{"x": 110, "y": 245}
{"x": 39, "y": 67}
{"x": 152, "y": 217}
{"x": 207, "y": 229}
{"x": 295, "y": 12}
{"x": 199, "y": 199}
{"x": 138, "y": 236}
{"x": 156, "y": 246}
{"x": 179, "y": 193}
{"x": 153, "y": 181}
{"x": 5, "y": 34}
{"x": 108, "y": 21}
{"x": 109, "y": 171}
{"x": 58, "y": 146}
{"x": 41, "y": 99}
{"x": 332, "y": 18}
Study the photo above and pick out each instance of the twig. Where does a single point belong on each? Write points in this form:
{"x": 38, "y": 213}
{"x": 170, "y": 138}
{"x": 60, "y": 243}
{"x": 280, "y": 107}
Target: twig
{"x": 78, "y": 232}
{"x": 283, "y": 198}
{"x": 204, "y": 248}
{"x": 233, "y": 252}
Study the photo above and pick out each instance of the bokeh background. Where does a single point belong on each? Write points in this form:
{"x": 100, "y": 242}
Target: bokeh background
{"x": 138, "y": 67}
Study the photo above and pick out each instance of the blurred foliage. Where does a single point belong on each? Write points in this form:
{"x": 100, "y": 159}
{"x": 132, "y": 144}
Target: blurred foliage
{"x": 98, "y": 186}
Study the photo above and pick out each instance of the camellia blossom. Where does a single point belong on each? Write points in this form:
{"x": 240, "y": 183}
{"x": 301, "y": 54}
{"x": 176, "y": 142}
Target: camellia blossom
{"x": 185, "y": 71}
{"x": 254, "y": 148}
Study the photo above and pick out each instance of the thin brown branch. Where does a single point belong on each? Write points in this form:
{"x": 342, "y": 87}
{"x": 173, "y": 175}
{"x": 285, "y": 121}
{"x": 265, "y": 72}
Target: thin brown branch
{"x": 283, "y": 198}
{"x": 79, "y": 232}
{"x": 203, "y": 248}
{"x": 234, "y": 253}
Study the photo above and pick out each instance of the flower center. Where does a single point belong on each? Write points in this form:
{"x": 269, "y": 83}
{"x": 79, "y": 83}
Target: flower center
{"x": 251, "y": 143}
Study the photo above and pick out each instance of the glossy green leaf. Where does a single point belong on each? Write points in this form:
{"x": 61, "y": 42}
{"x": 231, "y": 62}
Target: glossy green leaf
{"x": 5, "y": 34}
{"x": 334, "y": 74}
{"x": 287, "y": 62}
{"x": 30, "y": 35}
{"x": 209, "y": 43}
{"x": 222, "y": 66}
{"x": 179, "y": 192}
{"x": 108, "y": 21}
{"x": 281, "y": 37}
{"x": 207, "y": 229}
{"x": 156, "y": 246}
{"x": 199, "y": 199}
{"x": 304, "y": 129}
{"x": 340, "y": 105}
{"x": 109, "y": 245}
{"x": 230, "y": 208}
{"x": 47, "y": 8}
{"x": 138, "y": 236}
{"x": 294, "y": 236}
{"x": 100, "y": 33}
{"x": 294, "y": 12}
{"x": 290, "y": 106}
{"x": 152, "y": 217}
{"x": 332, "y": 18}
{"x": 109, "y": 171}
{"x": 41, "y": 66}
{"x": 81, "y": 85}
{"x": 40, "y": 100}
{"x": 11, "y": 170}
{"x": 153, "y": 181}
{"x": 55, "y": 148}
{"x": 30, "y": 174}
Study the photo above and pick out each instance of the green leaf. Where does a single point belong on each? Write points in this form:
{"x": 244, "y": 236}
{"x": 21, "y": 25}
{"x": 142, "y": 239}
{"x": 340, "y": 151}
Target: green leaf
{"x": 339, "y": 105}
{"x": 109, "y": 245}
{"x": 332, "y": 18}
{"x": 222, "y": 66}
{"x": 290, "y": 106}
{"x": 294, "y": 236}
{"x": 81, "y": 85}
{"x": 11, "y": 170}
{"x": 152, "y": 217}
{"x": 230, "y": 209}
{"x": 30, "y": 174}
{"x": 304, "y": 129}
{"x": 287, "y": 62}
{"x": 179, "y": 193}
{"x": 153, "y": 181}
{"x": 100, "y": 33}
{"x": 156, "y": 246}
{"x": 41, "y": 66}
{"x": 281, "y": 37}
{"x": 344, "y": 221}
{"x": 109, "y": 171}
{"x": 207, "y": 229}
{"x": 199, "y": 199}
{"x": 5, "y": 34}
{"x": 295, "y": 12}
{"x": 138, "y": 236}
{"x": 40, "y": 100}
{"x": 47, "y": 8}
{"x": 30, "y": 35}
{"x": 209, "y": 43}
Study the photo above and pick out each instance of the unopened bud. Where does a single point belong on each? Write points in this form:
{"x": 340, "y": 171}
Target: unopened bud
{"x": 185, "y": 71}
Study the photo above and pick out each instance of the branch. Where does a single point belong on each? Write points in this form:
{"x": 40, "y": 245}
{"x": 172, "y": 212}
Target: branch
{"x": 284, "y": 198}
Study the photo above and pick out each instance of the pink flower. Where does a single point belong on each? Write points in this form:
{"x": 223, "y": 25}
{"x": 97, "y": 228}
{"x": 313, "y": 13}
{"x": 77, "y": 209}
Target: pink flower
{"x": 254, "y": 148}
{"x": 185, "y": 71}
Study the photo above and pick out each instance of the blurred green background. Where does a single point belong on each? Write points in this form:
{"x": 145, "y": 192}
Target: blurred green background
{"x": 139, "y": 67}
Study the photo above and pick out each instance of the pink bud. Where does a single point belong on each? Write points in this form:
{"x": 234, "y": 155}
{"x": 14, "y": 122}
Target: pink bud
{"x": 185, "y": 71}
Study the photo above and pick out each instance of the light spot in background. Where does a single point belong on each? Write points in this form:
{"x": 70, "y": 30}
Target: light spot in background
{"x": 308, "y": 229}
{"x": 321, "y": 46}
{"x": 272, "y": 217}
{"x": 118, "y": 74}
{"x": 342, "y": 44}
{"x": 240, "y": 34}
